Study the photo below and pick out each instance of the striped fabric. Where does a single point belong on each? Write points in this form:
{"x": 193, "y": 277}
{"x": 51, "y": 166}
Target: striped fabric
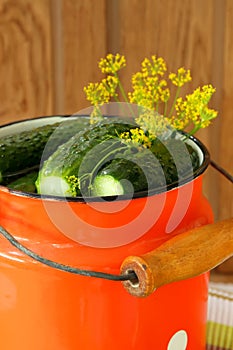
{"x": 220, "y": 317}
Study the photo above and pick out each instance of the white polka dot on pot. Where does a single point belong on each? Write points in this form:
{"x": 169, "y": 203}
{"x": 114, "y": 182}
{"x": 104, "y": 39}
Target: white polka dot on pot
{"x": 178, "y": 341}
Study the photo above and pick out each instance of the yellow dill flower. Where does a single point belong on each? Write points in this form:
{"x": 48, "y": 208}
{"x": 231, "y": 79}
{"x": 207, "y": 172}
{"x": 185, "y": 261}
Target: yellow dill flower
{"x": 138, "y": 80}
{"x": 182, "y": 117}
{"x": 151, "y": 83}
{"x": 140, "y": 96}
{"x": 148, "y": 91}
{"x": 97, "y": 93}
{"x": 206, "y": 93}
{"x": 198, "y": 100}
{"x": 96, "y": 115}
{"x": 183, "y": 76}
{"x": 178, "y": 124}
{"x": 152, "y": 123}
{"x": 207, "y": 115}
{"x": 194, "y": 109}
{"x": 155, "y": 66}
{"x": 112, "y": 63}
{"x": 136, "y": 136}
{"x": 111, "y": 83}
{"x": 74, "y": 184}
{"x": 125, "y": 135}
{"x": 151, "y": 92}
{"x": 163, "y": 91}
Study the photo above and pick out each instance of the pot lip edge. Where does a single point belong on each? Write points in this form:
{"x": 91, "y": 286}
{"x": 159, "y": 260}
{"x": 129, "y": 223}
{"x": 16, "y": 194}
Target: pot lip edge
{"x": 175, "y": 185}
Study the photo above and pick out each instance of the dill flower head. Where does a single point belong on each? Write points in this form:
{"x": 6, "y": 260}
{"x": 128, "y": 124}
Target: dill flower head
{"x": 151, "y": 91}
{"x": 183, "y": 76}
{"x": 74, "y": 183}
{"x": 112, "y": 63}
{"x": 152, "y": 123}
{"x": 194, "y": 109}
{"x": 155, "y": 66}
{"x": 137, "y": 136}
{"x": 97, "y": 93}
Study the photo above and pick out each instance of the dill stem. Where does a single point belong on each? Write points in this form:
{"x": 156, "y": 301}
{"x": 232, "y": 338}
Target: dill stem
{"x": 194, "y": 130}
{"x": 174, "y": 102}
{"x": 124, "y": 95}
{"x": 165, "y": 109}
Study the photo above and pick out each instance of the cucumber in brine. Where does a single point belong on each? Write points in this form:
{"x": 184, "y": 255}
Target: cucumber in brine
{"x": 25, "y": 183}
{"x": 23, "y": 150}
{"x": 61, "y": 174}
{"x": 97, "y": 162}
{"x": 170, "y": 162}
{"x": 135, "y": 172}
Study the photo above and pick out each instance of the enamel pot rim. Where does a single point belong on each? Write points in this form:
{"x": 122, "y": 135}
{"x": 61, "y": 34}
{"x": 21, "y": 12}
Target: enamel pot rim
{"x": 195, "y": 141}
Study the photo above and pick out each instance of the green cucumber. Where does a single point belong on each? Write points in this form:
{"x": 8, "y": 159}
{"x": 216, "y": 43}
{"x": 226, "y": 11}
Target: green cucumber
{"x": 69, "y": 171}
{"x": 96, "y": 162}
{"x": 134, "y": 172}
{"x": 142, "y": 171}
{"x": 25, "y": 183}
{"x": 178, "y": 159}
{"x": 24, "y": 150}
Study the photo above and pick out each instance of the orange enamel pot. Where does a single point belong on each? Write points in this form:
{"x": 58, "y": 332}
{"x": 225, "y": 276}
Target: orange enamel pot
{"x": 44, "y": 308}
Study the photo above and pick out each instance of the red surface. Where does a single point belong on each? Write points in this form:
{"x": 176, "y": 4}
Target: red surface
{"x": 42, "y": 308}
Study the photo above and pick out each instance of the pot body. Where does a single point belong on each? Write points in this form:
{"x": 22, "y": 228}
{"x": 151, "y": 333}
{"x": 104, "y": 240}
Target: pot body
{"x": 44, "y": 308}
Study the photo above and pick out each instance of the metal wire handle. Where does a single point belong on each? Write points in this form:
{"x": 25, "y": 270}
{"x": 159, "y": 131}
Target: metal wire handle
{"x": 221, "y": 170}
{"x": 119, "y": 278}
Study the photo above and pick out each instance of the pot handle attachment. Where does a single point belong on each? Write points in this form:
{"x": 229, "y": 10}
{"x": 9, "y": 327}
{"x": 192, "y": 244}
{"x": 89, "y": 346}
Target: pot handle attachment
{"x": 184, "y": 256}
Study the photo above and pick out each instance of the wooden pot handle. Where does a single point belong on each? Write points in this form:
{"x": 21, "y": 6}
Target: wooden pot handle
{"x": 186, "y": 255}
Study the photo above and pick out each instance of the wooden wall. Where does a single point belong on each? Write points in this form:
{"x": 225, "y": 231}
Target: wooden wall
{"x": 49, "y": 50}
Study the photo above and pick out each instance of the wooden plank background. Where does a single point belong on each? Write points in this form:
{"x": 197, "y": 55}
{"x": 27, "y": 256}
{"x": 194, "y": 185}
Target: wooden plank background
{"x": 26, "y": 87}
{"x": 49, "y": 50}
